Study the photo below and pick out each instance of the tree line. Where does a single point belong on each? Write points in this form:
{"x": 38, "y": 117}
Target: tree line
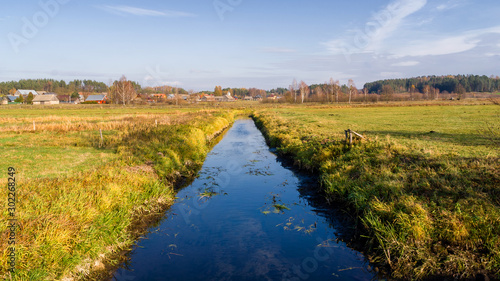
{"x": 52, "y": 86}
{"x": 450, "y": 84}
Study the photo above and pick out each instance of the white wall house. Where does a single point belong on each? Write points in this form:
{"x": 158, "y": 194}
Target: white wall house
{"x": 46, "y": 99}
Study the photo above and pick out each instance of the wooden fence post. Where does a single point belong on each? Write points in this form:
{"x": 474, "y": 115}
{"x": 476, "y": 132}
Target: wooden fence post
{"x": 102, "y": 139}
{"x": 349, "y": 135}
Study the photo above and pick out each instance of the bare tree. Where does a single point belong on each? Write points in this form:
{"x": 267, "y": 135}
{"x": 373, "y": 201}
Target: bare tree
{"x": 331, "y": 86}
{"x": 304, "y": 89}
{"x": 365, "y": 92}
{"x": 427, "y": 91}
{"x": 294, "y": 88}
{"x": 337, "y": 90}
{"x": 435, "y": 93}
{"x": 352, "y": 89}
{"x": 412, "y": 91}
{"x": 123, "y": 91}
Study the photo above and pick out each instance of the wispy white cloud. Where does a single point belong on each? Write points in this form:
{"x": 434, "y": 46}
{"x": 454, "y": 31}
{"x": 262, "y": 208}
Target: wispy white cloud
{"x": 201, "y": 71}
{"x": 381, "y": 26}
{"x": 406, "y": 63}
{"x": 391, "y": 74}
{"x": 451, "y": 4}
{"x": 135, "y": 11}
{"x": 153, "y": 81}
{"x": 277, "y": 50}
{"x": 391, "y": 18}
{"x": 444, "y": 45}
{"x": 392, "y": 33}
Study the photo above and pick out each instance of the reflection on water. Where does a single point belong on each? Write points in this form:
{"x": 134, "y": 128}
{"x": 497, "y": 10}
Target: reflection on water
{"x": 244, "y": 218}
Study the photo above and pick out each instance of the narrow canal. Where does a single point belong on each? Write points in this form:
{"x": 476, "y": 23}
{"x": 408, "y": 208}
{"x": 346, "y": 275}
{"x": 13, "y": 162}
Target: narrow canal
{"x": 246, "y": 217}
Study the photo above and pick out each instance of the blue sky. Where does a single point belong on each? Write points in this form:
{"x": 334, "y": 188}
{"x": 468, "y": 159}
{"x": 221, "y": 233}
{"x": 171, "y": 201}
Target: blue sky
{"x": 247, "y": 43}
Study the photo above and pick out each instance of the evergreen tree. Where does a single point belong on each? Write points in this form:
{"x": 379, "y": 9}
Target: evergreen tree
{"x": 29, "y": 98}
{"x": 20, "y": 99}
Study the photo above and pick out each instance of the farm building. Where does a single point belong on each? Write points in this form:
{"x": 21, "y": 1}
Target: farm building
{"x": 99, "y": 99}
{"x": 25, "y": 92}
{"x": 225, "y": 98}
{"x": 68, "y": 99}
{"x": 46, "y": 99}
{"x": 207, "y": 98}
{"x": 8, "y": 99}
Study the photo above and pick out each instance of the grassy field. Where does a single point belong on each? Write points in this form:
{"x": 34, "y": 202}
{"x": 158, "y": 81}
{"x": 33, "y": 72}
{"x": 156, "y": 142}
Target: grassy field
{"x": 425, "y": 187}
{"x": 460, "y": 130}
{"x": 81, "y": 200}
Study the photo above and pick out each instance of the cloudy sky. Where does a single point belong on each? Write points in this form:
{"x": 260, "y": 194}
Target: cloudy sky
{"x": 197, "y": 44}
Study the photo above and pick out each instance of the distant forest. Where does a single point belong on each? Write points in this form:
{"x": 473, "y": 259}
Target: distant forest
{"x": 53, "y": 86}
{"x": 450, "y": 83}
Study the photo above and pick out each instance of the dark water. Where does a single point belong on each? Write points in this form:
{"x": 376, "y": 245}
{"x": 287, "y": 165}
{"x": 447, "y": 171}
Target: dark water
{"x": 246, "y": 217}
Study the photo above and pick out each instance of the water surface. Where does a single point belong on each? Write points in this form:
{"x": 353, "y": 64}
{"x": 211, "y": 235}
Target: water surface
{"x": 246, "y": 217}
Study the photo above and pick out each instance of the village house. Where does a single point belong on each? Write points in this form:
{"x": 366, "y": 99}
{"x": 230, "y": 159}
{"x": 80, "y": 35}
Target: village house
{"x": 9, "y": 99}
{"x": 159, "y": 96}
{"x": 225, "y": 98}
{"x": 45, "y": 100}
{"x": 25, "y": 93}
{"x": 99, "y": 99}
{"x": 68, "y": 99}
{"x": 208, "y": 98}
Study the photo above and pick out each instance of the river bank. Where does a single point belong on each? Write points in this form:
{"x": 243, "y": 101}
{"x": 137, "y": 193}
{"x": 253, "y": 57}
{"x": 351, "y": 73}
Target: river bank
{"x": 76, "y": 227}
{"x": 422, "y": 213}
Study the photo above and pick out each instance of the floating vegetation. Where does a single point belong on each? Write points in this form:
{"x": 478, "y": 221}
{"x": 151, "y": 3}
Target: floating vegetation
{"x": 281, "y": 207}
{"x": 208, "y": 193}
{"x": 289, "y": 224}
{"x": 259, "y": 172}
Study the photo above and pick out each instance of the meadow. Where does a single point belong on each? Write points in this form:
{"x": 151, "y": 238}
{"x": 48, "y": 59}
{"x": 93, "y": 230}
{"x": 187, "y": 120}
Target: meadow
{"x": 423, "y": 188}
{"x": 81, "y": 199}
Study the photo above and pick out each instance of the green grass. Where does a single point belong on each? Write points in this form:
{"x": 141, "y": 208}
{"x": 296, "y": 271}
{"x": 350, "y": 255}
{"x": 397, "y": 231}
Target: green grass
{"x": 427, "y": 203}
{"x": 456, "y": 129}
{"x": 81, "y": 201}
{"x": 51, "y": 162}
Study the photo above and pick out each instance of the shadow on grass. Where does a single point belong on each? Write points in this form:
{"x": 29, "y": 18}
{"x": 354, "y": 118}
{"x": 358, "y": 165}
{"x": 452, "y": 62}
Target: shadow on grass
{"x": 477, "y": 139}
